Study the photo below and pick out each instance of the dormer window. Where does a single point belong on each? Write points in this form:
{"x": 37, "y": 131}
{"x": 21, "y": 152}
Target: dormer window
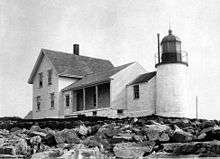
{"x": 40, "y": 76}
{"x": 49, "y": 77}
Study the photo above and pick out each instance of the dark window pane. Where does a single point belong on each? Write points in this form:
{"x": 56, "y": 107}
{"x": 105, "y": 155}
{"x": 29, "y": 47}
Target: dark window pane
{"x": 38, "y": 102}
{"x": 40, "y": 79}
{"x": 136, "y": 92}
{"x": 49, "y": 77}
{"x": 94, "y": 113}
{"x": 120, "y": 111}
{"x": 67, "y": 100}
{"x": 52, "y": 100}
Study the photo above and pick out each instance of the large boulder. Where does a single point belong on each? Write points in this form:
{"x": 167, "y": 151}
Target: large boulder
{"x": 82, "y": 153}
{"x": 207, "y": 124}
{"x": 108, "y": 131}
{"x": 132, "y": 150}
{"x": 4, "y": 132}
{"x": 50, "y": 140}
{"x": 52, "y": 153}
{"x": 139, "y": 138}
{"x": 92, "y": 142}
{"x": 182, "y": 123}
{"x": 216, "y": 132}
{"x": 157, "y": 131}
{"x": 9, "y": 150}
{"x": 67, "y": 136}
{"x": 211, "y": 133}
{"x": 180, "y": 148}
{"x": 36, "y": 133}
{"x": 83, "y": 130}
{"x": 35, "y": 128}
{"x": 181, "y": 136}
{"x": 35, "y": 140}
{"x": 192, "y": 148}
{"x": 22, "y": 147}
{"x": 201, "y": 136}
{"x": 18, "y": 145}
{"x": 122, "y": 137}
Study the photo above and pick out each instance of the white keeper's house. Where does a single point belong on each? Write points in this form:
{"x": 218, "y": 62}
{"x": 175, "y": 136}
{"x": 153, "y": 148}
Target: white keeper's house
{"x": 70, "y": 84}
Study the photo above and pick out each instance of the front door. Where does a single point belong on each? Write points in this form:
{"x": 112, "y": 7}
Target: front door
{"x": 79, "y": 100}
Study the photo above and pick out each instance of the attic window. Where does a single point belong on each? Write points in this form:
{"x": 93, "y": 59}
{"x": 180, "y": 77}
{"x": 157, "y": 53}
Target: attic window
{"x": 49, "y": 77}
{"x": 136, "y": 92}
{"x": 40, "y": 75}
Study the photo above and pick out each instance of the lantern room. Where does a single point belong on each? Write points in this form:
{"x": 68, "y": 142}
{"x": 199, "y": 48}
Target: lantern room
{"x": 171, "y": 50}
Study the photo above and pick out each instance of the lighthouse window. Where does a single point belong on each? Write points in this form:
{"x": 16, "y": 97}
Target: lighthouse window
{"x": 136, "y": 92}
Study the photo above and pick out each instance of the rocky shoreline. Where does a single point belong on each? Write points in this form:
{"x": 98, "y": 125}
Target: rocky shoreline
{"x": 99, "y": 138}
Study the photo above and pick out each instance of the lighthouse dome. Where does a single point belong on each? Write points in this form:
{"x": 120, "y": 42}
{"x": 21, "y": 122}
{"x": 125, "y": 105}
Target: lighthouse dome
{"x": 170, "y": 38}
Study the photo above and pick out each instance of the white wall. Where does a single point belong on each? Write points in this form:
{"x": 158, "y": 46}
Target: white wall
{"x": 172, "y": 90}
{"x": 58, "y": 83}
{"x": 62, "y": 83}
{"x": 67, "y": 110}
{"x": 105, "y": 112}
{"x": 145, "y": 104}
{"x": 119, "y": 82}
{"x": 46, "y": 111}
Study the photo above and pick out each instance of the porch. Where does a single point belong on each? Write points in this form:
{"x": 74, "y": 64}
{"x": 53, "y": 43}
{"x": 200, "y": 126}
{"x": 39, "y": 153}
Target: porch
{"x": 93, "y": 97}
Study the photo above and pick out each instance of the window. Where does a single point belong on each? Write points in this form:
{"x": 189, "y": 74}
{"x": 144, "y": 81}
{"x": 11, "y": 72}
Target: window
{"x": 94, "y": 100}
{"x": 67, "y": 100}
{"x": 49, "y": 73}
{"x": 52, "y": 100}
{"x": 94, "y": 113}
{"x": 40, "y": 79}
{"x": 136, "y": 92}
{"x": 119, "y": 111}
{"x": 38, "y": 103}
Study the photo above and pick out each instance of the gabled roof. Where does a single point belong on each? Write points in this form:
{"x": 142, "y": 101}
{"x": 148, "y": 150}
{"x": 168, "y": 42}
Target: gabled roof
{"x": 96, "y": 78}
{"x": 71, "y": 65}
{"x": 143, "y": 78}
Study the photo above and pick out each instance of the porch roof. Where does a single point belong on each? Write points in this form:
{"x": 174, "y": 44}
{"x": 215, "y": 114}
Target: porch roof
{"x": 95, "y": 78}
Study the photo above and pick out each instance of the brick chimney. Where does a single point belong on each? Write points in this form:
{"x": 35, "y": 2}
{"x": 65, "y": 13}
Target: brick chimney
{"x": 76, "y": 49}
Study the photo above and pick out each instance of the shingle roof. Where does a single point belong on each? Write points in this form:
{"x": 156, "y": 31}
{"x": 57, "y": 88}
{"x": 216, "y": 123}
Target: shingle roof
{"x": 96, "y": 78}
{"x": 143, "y": 78}
{"x": 72, "y": 65}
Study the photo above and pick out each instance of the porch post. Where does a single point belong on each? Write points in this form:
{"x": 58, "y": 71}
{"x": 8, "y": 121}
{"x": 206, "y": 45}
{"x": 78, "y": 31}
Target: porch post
{"x": 84, "y": 99}
{"x": 96, "y": 96}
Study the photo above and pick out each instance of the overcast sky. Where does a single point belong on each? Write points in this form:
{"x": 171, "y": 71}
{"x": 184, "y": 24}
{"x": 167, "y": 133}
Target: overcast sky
{"x": 119, "y": 30}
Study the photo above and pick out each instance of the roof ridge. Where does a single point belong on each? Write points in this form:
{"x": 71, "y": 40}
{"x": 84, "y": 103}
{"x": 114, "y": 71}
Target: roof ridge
{"x": 125, "y": 64}
{"x": 147, "y": 73}
{"x": 54, "y": 51}
{"x": 145, "y": 77}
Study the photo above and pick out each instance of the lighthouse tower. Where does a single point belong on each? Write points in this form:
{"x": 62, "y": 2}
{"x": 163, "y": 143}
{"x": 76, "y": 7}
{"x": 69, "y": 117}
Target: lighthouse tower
{"x": 171, "y": 79}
